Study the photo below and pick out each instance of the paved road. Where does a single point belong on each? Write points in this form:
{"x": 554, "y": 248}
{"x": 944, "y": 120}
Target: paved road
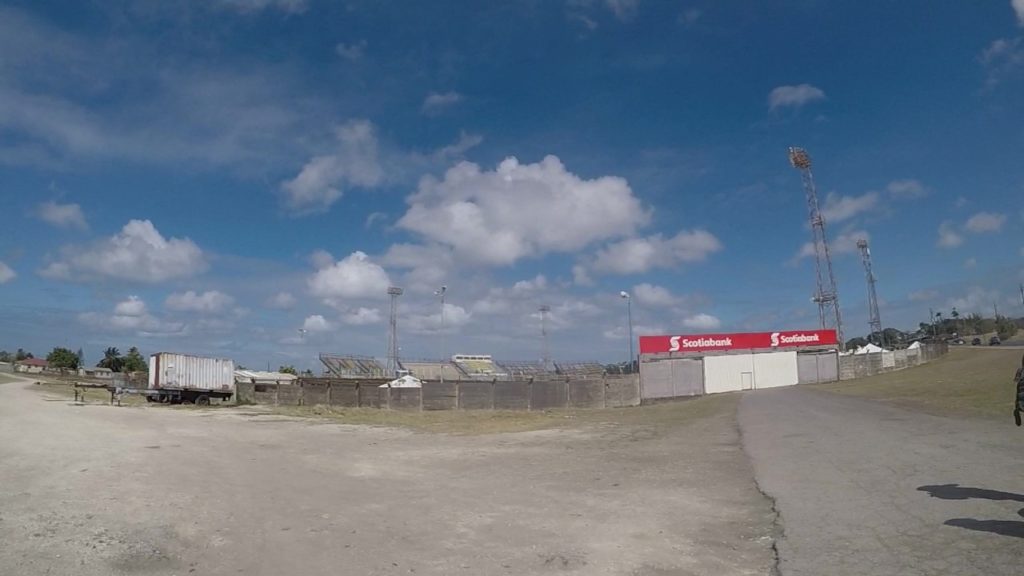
{"x": 98, "y": 490}
{"x": 868, "y": 489}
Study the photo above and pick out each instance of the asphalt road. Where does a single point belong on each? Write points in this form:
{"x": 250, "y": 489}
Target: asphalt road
{"x": 868, "y": 489}
{"x": 98, "y": 490}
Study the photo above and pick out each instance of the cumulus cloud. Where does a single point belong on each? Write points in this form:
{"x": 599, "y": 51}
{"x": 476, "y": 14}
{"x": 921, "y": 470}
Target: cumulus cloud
{"x": 622, "y": 332}
{"x": 949, "y": 237}
{"x": 984, "y": 222}
{"x": 253, "y": 6}
{"x": 521, "y": 210}
{"x": 210, "y": 302}
{"x": 138, "y": 253}
{"x": 322, "y": 180}
{"x": 654, "y": 296}
{"x": 428, "y": 266}
{"x": 844, "y": 243}
{"x": 351, "y": 52}
{"x": 794, "y": 96}
{"x": 316, "y": 323}
{"x": 281, "y": 300}
{"x": 356, "y": 276}
{"x": 702, "y": 322}
{"x": 838, "y": 208}
{"x": 6, "y": 273}
{"x": 435, "y": 102}
{"x": 1018, "y": 7}
{"x": 975, "y": 300}
{"x": 63, "y": 215}
{"x": 361, "y": 316}
{"x": 623, "y": 9}
{"x": 637, "y": 255}
{"x": 906, "y": 189}
{"x": 455, "y": 317}
{"x": 131, "y": 315}
{"x": 1002, "y": 57}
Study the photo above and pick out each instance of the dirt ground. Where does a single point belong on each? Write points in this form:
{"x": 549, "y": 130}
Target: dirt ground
{"x": 94, "y": 489}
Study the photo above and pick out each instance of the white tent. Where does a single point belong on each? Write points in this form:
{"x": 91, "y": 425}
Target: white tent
{"x": 868, "y": 349}
{"x": 914, "y": 346}
{"x": 404, "y": 382}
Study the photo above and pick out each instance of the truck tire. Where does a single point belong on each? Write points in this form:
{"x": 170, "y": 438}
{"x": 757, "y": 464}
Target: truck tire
{"x": 202, "y": 400}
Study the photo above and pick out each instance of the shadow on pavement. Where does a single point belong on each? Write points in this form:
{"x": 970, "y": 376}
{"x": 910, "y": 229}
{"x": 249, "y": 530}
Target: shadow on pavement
{"x": 956, "y": 492}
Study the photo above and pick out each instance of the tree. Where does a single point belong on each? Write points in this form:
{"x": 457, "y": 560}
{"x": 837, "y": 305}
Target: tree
{"x": 133, "y": 361}
{"x": 62, "y": 358}
{"x": 111, "y": 359}
{"x": 81, "y": 357}
{"x": 854, "y": 343}
{"x": 22, "y": 355}
{"x": 5, "y": 356}
{"x": 288, "y": 370}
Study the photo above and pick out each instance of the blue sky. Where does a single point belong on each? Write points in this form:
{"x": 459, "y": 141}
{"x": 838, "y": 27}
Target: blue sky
{"x": 210, "y": 177}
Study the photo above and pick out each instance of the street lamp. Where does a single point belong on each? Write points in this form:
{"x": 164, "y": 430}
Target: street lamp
{"x": 444, "y": 339}
{"x": 629, "y": 317}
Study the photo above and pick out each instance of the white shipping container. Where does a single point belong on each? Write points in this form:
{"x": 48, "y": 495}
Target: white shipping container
{"x": 181, "y": 371}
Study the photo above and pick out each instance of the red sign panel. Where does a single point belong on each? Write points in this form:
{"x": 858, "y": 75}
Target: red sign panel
{"x": 745, "y": 341}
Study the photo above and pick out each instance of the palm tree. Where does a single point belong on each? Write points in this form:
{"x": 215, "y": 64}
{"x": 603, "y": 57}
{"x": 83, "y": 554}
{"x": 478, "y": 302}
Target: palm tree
{"x": 111, "y": 359}
{"x": 956, "y": 320}
{"x": 938, "y": 319}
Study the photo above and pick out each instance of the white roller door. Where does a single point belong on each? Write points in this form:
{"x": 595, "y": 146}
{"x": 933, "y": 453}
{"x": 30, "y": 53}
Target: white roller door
{"x": 728, "y": 373}
{"x": 774, "y": 369}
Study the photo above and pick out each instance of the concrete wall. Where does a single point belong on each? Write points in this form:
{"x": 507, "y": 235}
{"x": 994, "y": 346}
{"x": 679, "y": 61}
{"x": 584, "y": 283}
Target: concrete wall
{"x": 775, "y": 369}
{"x": 864, "y": 365}
{"x": 610, "y": 392}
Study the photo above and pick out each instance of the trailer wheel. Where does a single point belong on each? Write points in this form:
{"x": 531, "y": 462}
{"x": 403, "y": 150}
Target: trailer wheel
{"x": 202, "y": 400}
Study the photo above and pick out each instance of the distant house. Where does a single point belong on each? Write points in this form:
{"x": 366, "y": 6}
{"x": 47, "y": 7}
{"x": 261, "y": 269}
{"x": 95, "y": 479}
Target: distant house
{"x": 31, "y": 365}
{"x": 106, "y": 373}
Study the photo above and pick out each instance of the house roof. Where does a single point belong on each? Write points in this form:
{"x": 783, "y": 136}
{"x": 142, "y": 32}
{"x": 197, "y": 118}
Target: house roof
{"x": 41, "y": 362}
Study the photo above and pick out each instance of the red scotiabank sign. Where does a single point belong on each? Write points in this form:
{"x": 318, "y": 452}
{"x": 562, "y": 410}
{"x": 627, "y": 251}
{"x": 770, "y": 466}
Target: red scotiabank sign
{"x": 745, "y": 341}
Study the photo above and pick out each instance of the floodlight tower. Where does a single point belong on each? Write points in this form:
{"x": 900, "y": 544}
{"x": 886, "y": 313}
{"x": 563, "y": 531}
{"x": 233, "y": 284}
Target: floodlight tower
{"x": 827, "y": 296}
{"x": 546, "y": 351}
{"x": 874, "y": 318}
{"x": 392, "y": 367}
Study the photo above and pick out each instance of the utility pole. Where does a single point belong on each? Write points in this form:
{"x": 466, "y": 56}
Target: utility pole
{"x": 1022, "y": 294}
{"x": 546, "y": 350}
{"x": 874, "y": 319}
{"x": 629, "y": 319}
{"x": 827, "y": 295}
{"x": 444, "y": 338}
{"x": 392, "y": 367}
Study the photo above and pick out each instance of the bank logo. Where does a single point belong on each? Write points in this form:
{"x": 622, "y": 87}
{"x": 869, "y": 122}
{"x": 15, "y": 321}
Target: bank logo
{"x": 775, "y": 339}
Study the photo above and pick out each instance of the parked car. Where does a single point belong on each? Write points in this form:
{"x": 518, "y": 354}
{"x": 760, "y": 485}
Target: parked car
{"x": 994, "y": 341}
{"x": 976, "y": 342}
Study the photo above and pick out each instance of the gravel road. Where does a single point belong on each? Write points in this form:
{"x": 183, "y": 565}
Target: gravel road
{"x": 868, "y": 489}
{"x": 98, "y": 490}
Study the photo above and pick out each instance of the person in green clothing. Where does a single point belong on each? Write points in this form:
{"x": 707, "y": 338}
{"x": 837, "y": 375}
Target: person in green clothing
{"x": 1018, "y": 405}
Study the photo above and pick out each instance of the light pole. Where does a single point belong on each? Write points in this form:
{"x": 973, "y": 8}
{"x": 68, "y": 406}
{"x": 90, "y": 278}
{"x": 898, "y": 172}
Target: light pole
{"x": 444, "y": 339}
{"x": 629, "y": 318}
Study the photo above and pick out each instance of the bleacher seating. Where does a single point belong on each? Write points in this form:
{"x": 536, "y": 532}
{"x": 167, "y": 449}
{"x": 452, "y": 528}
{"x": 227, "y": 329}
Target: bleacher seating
{"x": 580, "y": 369}
{"x": 432, "y": 369}
{"x": 352, "y": 366}
{"x": 478, "y": 366}
{"x": 526, "y": 370}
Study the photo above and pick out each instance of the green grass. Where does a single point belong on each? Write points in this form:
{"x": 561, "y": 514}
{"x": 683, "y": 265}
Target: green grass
{"x": 974, "y": 382}
{"x": 479, "y": 422}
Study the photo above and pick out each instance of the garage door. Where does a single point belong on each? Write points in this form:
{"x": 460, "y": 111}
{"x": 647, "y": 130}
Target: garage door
{"x": 669, "y": 378}
{"x": 814, "y": 367}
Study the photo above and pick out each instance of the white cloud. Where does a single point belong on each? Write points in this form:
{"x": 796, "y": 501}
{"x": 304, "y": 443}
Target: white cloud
{"x": 623, "y": 9}
{"x": 353, "y": 277}
{"x": 321, "y": 259}
{"x": 316, "y": 323}
{"x": 361, "y": 316}
{"x": 63, "y": 215}
{"x": 622, "y": 332}
{"x": 428, "y": 266}
{"x": 702, "y": 322}
{"x": 1018, "y": 7}
{"x": 637, "y": 255}
{"x": 923, "y": 296}
{"x": 211, "y": 302}
{"x": 352, "y": 52}
{"x": 455, "y": 317}
{"x": 138, "y": 253}
{"x": 1000, "y": 58}
{"x": 6, "y": 273}
{"x": 322, "y": 180}
{"x": 690, "y": 16}
{"x": 521, "y": 210}
{"x": 844, "y": 243}
{"x": 948, "y": 236}
{"x": 794, "y": 96}
{"x": 131, "y": 315}
{"x": 907, "y": 189}
{"x": 976, "y": 300}
{"x": 436, "y": 102}
{"x": 253, "y": 6}
{"x": 838, "y": 208}
{"x": 971, "y": 263}
{"x": 984, "y": 222}
{"x": 580, "y": 276}
{"x": 281, "y": 300}
{"x": 133, "y": 306}
{"x": 654, "y": 296}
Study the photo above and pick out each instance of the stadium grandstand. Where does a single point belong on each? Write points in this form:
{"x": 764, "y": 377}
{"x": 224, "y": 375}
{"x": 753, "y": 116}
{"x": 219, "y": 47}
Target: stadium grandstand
{"x": 525, "y": 370}
{"x": 352, "y": 366}
{"x": 478, "y": 367}
{"x": 580, "y": 369}
{"x": 432, "y": 369}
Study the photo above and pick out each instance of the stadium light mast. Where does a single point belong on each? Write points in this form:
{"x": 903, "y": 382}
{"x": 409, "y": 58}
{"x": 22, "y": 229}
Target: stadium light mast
{"x": 444, "y": 338}
{"x": 874, "y": 318}
{"x": 392, "y": 367}
{"x": 629, "y": 320}
{"x": 546, "y": 350}
{"x": 827, "y": 295}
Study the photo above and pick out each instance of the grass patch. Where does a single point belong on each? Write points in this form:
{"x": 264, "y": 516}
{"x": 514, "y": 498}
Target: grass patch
{"x": 967, "y": 381}
{"x": 86, "y": 395}
{"x": 481, "y": 422}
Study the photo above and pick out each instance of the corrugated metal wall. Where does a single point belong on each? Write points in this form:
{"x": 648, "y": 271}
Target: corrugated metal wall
{"x": 168, "y": 370}
{"x": 670, "y": 378}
